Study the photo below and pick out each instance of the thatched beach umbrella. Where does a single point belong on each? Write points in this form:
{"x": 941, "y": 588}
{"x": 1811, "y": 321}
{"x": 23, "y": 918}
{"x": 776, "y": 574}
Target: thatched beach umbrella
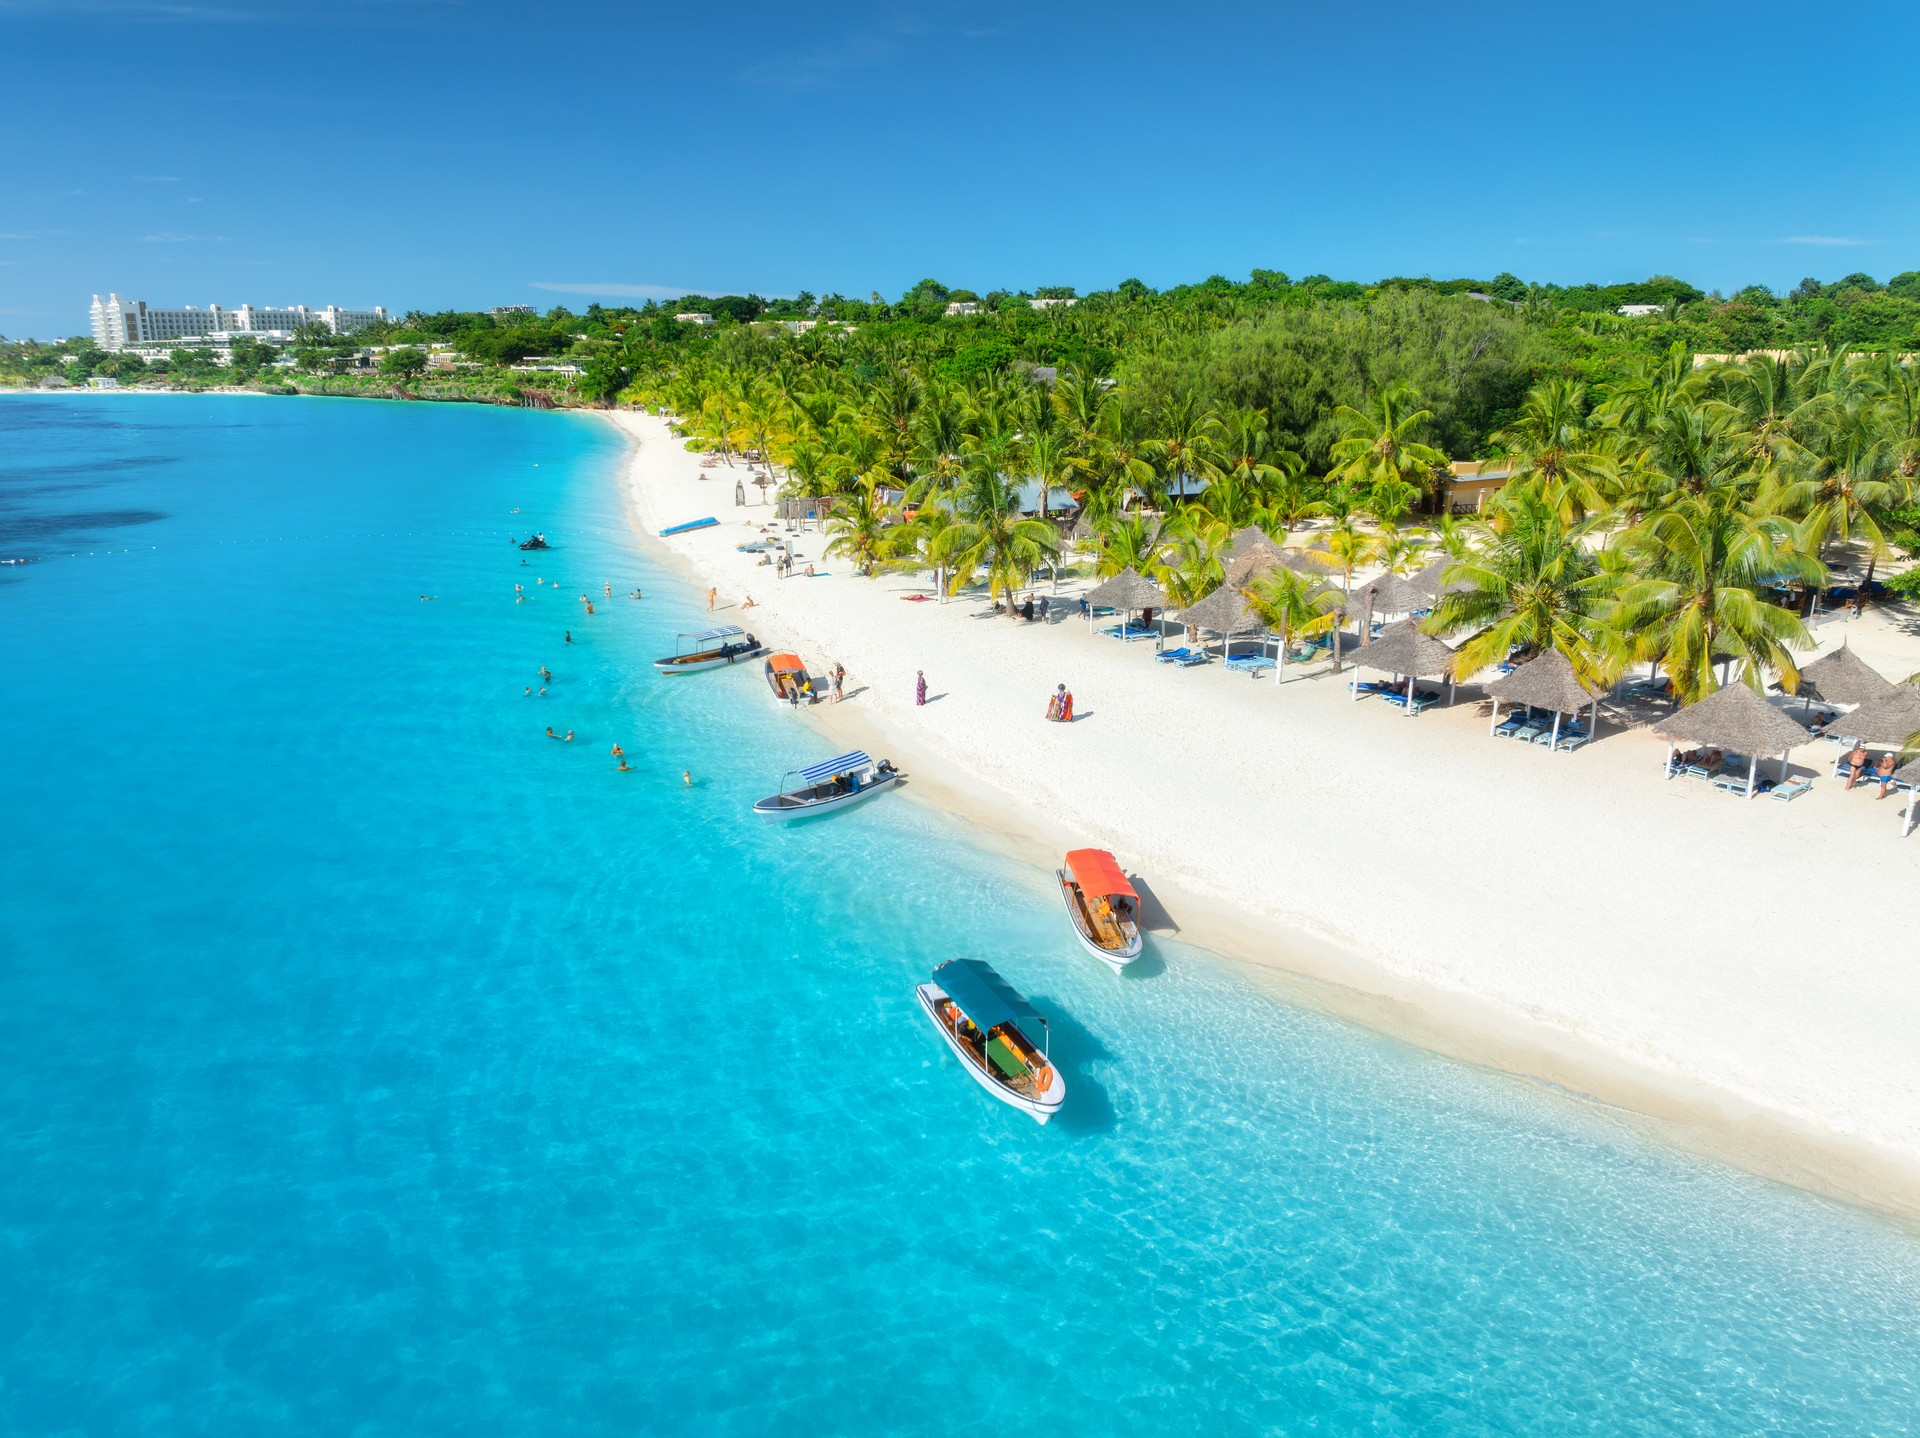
{"x": 1429, "y": 580}
{"x": 1225, "y": 612}
{"x": 1126, "y": 591}
{"x": 1736, "y": 718}
{"x": 1389, "y": 594}
{"x": 1546, "y": 681}
{"x": 1400, "y": 650}
{"x": 1250, "y": 540}
{"x": 1842, "y": 677}
{"x": 1893, "y": 718}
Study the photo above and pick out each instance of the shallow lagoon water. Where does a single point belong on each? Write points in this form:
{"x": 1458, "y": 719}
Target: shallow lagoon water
{"x": 374, "y": 1064}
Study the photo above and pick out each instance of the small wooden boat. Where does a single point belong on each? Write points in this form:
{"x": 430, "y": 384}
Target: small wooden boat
{"x": 1103, "y": 906}
{"x": 691, "y": 524}
{"x": 712, "y": 648}
{"x": 787, "y": 677}
{"x": 985, "y": 1022}
{"x": 822, "y": 788}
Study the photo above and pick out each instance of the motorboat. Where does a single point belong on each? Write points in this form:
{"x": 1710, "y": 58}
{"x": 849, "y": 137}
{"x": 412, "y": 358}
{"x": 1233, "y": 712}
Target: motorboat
{"x": 710, "y": 649}
{"x": 986, "y": 1023}
{"x": 1103, "y": 906}
{"x": 539, "y": 541}
{"x": 822, "y": 788}
{"x": 787, "y": 677}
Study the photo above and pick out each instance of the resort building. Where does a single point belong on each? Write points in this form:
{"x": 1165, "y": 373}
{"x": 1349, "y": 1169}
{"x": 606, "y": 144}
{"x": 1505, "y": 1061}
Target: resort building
{"x": 121, "y": 324}
{"x": 963, "y": 307}
{"x": 1640, "y": 312}
{"x": 1472, "y": 481}
{"x": 501, "y": 312}
{"x": 694, "y": 317}
{"x": 1049, "y": 303}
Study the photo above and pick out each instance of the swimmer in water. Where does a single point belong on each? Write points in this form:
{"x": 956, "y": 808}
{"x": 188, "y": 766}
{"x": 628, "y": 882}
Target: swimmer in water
{"x": 543, "y": 691}
{"x": 544, "y": 674}
{"x": 550, "y": 733}
{"x": 634, "y": 595}
{"x": 625, "y": 767}
{"x": 589, "y": 606}
{"x": 686, "y": 777}
{"x": 426, "y": 597}
{"x": 609, "y": 589}
{"x": 529, "y": 691}
{"x": 569, "y": 636}
{"x": 616, "y": 751}
{"x": 569, "y": 738}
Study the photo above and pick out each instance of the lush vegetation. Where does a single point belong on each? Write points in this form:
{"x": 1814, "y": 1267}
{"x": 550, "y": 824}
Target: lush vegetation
{"x": 1667, "y": 506}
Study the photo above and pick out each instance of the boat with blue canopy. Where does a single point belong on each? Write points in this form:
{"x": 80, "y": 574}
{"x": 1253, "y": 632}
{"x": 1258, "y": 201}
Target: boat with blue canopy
{"x": 987, "y": 1023}
{"x": 836, "y": 783}
{"x": 709, "y": 649}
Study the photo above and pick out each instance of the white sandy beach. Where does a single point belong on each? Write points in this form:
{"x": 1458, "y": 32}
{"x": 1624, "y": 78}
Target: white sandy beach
{"x": 1742, "y": 971}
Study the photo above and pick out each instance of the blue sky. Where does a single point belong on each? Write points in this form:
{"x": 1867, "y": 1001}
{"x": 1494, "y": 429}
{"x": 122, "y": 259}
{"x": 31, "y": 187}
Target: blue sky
{"x": 436, "y": 153}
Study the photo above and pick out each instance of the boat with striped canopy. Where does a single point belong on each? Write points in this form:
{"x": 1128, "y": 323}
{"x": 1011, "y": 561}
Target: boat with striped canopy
{"x": 711, "y": 648}
{"x": 1103, "y": 906}
{"x": 836, "y": 783}
{"x": 989, "y": 1027}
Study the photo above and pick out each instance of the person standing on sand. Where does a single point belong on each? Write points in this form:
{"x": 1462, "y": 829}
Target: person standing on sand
{"x": 919, "y": 686}
{"x": 839, "y": 681}
{"x": 712, "y": 592}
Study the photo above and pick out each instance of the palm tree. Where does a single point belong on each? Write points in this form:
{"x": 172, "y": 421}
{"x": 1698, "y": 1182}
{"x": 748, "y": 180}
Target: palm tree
{"x": 1551, "y": 444}
{"x": 1852, "y": 482}
{"x": 1134, "y": 542}
{"x": 1704, "y": 559}
{"x": 859, "y": 527}
{"x": 991, "y": 533}
{"x": 1530, "y": 584}
{"x": 1292, "y": 499}
{"x": 1294, "y": 606}
{"x": 1186, "y": 446}
{"x": 1348, "y": 547}
{"x": 1189, "y": 570}
{"x": 1376, "y": 450}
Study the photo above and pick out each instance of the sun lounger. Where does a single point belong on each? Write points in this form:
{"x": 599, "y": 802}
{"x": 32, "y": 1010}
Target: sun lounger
{"x": 1508, "y": 726}
{"x": 1193, "y": 657}
{"x": 1371, "y": 687}
{"x": 1172, "y": 656}
{"x": 1732, "y": 783}
{"x": 1127, "y": 632}
{"x": 1528, "y": 732}
{"x": 1791, "y": 791}
{"x": 1569, "y": 739}
{"x": 1250, "y": 663}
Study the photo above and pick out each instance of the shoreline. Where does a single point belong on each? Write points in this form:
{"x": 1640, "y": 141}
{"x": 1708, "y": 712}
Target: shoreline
{"x": 1301, "y": 953}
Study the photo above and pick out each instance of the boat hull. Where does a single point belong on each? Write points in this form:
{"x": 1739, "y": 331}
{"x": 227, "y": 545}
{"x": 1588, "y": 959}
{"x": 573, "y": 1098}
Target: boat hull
{"x": 696, "y": 663}
{"x": 1115, "y": 959}
{"x": 1038, "y": 1109}
{"x": 771, "y": 811}
{"x": 689, "y": 526}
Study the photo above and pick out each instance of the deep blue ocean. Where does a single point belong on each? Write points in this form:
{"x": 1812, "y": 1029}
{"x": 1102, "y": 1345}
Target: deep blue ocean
{"x": 372, "y": 1064}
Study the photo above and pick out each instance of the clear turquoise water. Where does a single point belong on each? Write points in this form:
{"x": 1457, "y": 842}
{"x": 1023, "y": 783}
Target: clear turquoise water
{"x": 371, "y": 1064}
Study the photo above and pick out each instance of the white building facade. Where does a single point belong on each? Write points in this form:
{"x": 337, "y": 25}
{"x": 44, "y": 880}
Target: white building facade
{"x": 121, "y": 324}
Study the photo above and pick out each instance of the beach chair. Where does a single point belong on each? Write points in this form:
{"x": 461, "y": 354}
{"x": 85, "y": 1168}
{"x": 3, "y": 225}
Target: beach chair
{"x": 1249, "y": 663}
{"x": 1732, "y": 784}
{"x": 1529, "y": 731}
{"x": 1508, "y": 726}
{"x": 1570, "y": 739}
{"x": 1791, "y": 791}
{"x": 1172, "y": 656}
{"x": 1193, "y": 657}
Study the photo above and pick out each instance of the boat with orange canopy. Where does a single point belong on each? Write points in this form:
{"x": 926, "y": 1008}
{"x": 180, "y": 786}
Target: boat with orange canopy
{"x": 787, "y": 677}
{"x": 1103, "y": 906}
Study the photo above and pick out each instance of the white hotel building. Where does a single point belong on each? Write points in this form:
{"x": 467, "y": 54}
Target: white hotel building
{"x": 125, "y": 324}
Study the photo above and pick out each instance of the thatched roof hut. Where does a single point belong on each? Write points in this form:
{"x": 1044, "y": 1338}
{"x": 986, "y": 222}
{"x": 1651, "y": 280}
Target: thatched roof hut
{"x": 1734, "y": 718}
{"x": 1402, "y": 649}
{"x": 1429, "y": 580}
{"x": 1893, "y": 718}
{"x": 1225, "y": 611}
{"x": 1389, "y": 594}
{"x": 1126, "y": 591}
{"x": 1250, "y": 541}
{"x": 1842, "y": 677}
{"x": 1546, "y": 681}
